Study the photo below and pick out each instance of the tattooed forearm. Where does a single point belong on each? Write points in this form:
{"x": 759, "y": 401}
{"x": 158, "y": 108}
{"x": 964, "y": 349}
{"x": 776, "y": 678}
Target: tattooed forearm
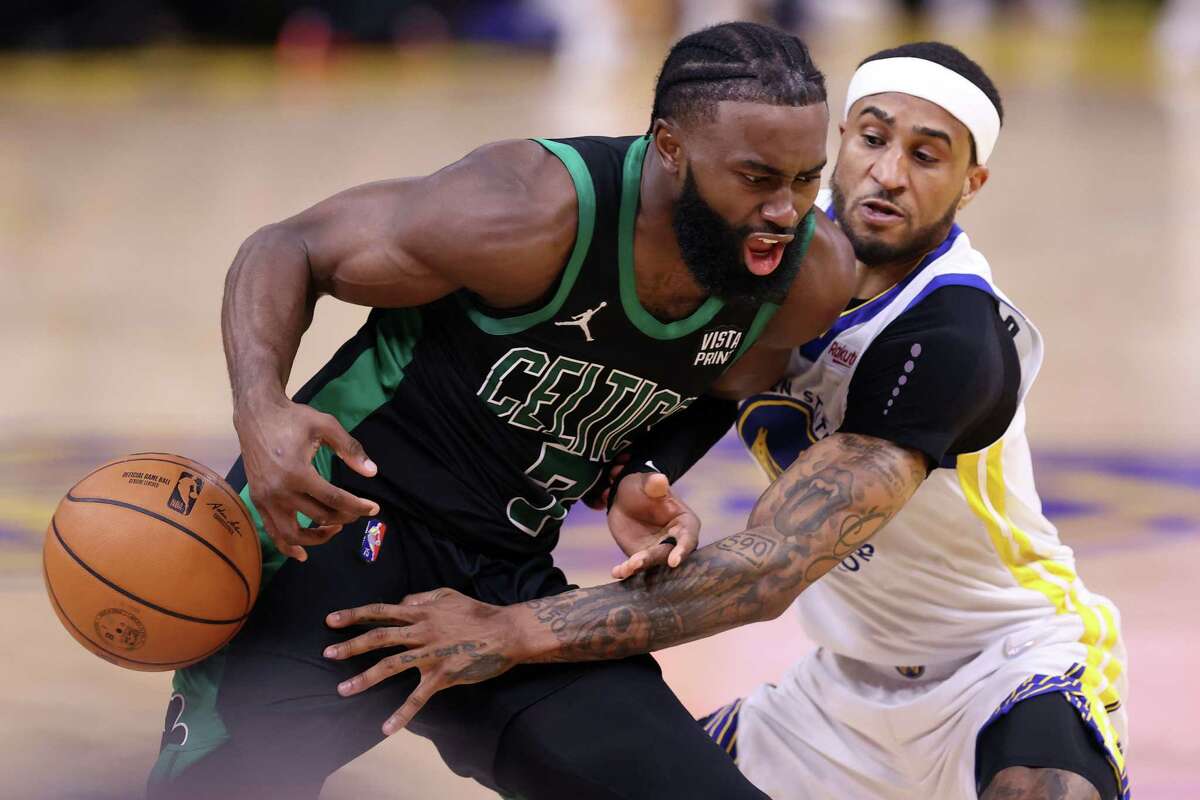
{"x": 837, "y": 495}
{"x": 753, "y": 547}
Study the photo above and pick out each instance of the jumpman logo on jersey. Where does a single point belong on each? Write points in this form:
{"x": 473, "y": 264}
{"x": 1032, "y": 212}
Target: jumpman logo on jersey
{"x": 582, "y": 320}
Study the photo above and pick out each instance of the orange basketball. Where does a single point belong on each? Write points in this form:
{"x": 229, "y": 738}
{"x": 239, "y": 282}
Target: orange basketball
{"x": 151, "y": 562}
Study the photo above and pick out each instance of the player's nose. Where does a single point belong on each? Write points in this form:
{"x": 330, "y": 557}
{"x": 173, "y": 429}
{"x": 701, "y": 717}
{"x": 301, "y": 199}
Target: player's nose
{"x": 780, "y": 210}
{"x": 888, "y": 169}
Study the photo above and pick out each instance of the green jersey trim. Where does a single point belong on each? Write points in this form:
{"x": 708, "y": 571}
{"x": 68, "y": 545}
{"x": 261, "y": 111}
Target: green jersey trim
{"x": 809, "y": 223}
{"x": 643, "y": 320}
{"x": 585, "y": 194}
{"x": 351, "y": 397}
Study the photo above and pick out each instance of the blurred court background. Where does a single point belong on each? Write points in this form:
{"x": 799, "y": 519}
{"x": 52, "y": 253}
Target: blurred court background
{"x": 142, "y": 140}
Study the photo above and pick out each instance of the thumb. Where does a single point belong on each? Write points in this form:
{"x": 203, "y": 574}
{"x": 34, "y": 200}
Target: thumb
{"x": 348, "y": 448}
{"x": 656, "y": 485}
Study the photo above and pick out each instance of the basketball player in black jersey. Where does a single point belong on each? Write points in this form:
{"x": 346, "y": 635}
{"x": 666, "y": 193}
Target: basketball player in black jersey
{"x": 539, "y": 306}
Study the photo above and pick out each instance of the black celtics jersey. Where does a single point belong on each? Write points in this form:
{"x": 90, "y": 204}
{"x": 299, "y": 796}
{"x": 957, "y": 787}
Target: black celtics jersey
{"x": 491, "y": 424}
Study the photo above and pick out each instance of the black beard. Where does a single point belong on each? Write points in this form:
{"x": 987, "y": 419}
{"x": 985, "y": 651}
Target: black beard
{"x": 713, "y": 253}
{"x": 874, "y": 253}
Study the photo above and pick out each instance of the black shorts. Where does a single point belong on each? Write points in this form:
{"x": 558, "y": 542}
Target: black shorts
{"x": 1043, "y": 732}
{"x": 263, "y": 719}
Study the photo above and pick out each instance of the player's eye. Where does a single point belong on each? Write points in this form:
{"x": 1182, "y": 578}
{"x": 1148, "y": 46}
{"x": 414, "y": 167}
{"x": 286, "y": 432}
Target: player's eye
{"x": 926, "y": 158}
{"x": 753, "y": 180}
{"x": 872, "y": 140}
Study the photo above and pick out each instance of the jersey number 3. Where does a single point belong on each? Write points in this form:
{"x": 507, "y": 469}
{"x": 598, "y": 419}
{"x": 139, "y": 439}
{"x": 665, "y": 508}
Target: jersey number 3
{"x": 565, "y": 477}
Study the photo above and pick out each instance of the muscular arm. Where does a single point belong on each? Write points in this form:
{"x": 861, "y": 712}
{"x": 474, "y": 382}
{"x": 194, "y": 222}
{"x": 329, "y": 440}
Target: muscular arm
{"x": 835, "y": 497}
{"x": 500, "y": 222}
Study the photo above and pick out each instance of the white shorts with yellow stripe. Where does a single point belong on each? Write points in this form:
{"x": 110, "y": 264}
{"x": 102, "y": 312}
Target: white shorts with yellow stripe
{"x": 836, "y": 728}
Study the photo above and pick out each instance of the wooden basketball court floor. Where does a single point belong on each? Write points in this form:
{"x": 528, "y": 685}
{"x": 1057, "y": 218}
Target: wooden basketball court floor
{"x": 127, "y": 183}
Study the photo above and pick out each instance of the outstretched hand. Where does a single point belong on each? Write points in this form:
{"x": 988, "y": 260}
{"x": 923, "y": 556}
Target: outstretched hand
{"x": 650, "y": 524}
{"x": 279, "y": 441}
{"x": 451, "y": 638}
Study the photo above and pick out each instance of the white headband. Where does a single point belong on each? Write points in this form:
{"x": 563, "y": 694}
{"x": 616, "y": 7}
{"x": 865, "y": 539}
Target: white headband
{"x": 937, "y": 84}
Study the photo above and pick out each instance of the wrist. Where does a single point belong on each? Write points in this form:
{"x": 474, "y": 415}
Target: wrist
{"x": 531, "y": 641}
{"x": 251, "y": 402}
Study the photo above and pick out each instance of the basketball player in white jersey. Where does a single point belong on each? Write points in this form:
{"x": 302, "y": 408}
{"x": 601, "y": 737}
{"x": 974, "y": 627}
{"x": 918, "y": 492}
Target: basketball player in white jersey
{"x": 959, "y": 655}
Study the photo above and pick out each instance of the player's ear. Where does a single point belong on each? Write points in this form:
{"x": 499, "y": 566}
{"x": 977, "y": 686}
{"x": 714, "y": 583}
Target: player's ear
{"x": 668, "y": 146}
{"x": 977, "y": 176}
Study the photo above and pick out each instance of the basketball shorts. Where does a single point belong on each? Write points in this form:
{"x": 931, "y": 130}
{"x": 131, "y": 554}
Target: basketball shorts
{"x": 835, "y": 727}
{"x": 262, "y": 719}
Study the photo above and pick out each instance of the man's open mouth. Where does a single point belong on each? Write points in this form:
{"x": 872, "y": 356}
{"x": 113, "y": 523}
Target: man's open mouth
{"x": 764, "y": 251}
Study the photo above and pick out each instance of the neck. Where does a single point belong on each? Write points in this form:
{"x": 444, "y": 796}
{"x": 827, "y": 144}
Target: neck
{"x": 665, "y": 287}
{"x": 878, "y": 278}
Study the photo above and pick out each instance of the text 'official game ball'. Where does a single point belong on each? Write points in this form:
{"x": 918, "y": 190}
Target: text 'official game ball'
{"x": 151, "y": 562}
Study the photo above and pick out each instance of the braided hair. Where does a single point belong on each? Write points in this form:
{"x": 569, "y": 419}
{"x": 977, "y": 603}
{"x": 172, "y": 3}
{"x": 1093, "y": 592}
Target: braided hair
{"x": 735, "y": 61}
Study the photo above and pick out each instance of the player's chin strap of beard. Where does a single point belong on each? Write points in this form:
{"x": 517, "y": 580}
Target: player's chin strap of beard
{"x": 937, "y": 84}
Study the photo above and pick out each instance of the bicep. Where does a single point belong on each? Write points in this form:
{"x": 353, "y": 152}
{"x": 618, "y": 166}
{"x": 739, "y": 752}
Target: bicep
{"x": 841, "y": 491}
{"x": 356, "y": 249}
{"x": 497, "y": 222}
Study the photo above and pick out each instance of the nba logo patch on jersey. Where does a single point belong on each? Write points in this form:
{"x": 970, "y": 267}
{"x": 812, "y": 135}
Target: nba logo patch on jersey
{"x": 371, "y": 541}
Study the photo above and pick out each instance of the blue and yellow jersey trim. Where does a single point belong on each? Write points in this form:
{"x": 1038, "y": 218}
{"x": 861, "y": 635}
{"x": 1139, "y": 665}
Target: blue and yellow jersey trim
{"x": 721, "y": 726}
{"x": 1072, "y": 684}
{"x": 981, "y": 477}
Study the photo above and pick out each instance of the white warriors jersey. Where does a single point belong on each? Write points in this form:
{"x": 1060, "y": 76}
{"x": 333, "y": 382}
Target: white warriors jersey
{"x": 971, "y": 558}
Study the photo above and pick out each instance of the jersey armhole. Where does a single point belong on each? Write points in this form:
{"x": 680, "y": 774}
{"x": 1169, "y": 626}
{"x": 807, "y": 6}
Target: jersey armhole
{"x": 585, "y": 195}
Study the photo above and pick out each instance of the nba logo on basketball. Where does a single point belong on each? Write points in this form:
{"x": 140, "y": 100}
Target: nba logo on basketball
{"x": 186, "y": 492}
{"x": 372, "y": 539}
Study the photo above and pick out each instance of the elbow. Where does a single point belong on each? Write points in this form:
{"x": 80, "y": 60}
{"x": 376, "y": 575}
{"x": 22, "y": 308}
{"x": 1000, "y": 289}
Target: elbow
{"x": 278, "y": 237}
{"x": 773, "y": 608}
{"x": 275, "y": 246}
{"x": 761, "y": 515}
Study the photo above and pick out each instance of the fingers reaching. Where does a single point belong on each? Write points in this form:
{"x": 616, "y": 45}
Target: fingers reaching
{"x": 375, "y": 612}
{"x": 688, "y": 540}
{"x": 415, "y": 702}
{"x": 650, "y": 557}
{"x": 345, "y": 506}
{"x": 381, "y": 671}
{"x": 348, "y": 448}
{"x": 377, "y": 639}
